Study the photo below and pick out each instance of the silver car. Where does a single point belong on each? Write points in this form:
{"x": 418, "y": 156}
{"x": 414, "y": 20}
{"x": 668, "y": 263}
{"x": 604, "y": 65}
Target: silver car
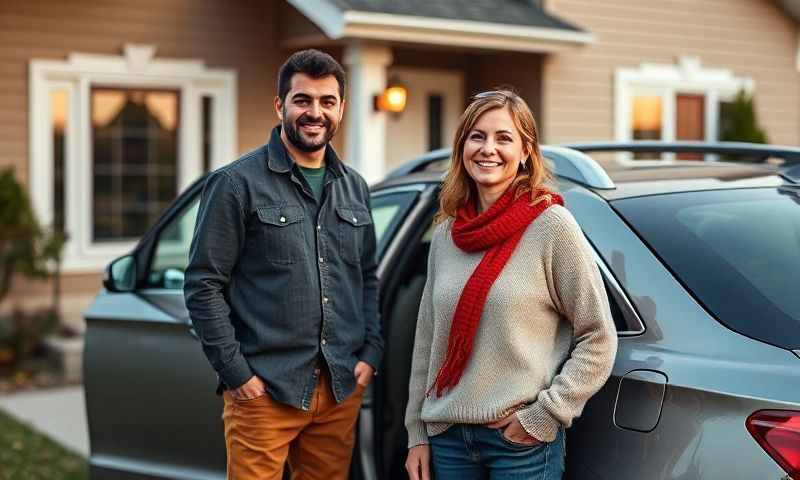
{"x": 701, "y": 262}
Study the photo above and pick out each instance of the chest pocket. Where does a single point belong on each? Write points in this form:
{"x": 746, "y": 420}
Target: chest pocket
{"x": 282, "y": 233}
{"x": 353, "y": 220}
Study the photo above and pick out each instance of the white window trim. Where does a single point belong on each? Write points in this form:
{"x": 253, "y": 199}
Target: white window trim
{"x": 136, "y": 67}
{"x": 685, "y": 77}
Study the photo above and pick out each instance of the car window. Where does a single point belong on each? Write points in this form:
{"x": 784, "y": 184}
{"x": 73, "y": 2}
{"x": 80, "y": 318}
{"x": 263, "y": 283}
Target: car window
{"x": 737, "y": 251}
{"x": 172, "y": 250}
{"x": 388, "y": 211}
{"x": 172, "y": 245}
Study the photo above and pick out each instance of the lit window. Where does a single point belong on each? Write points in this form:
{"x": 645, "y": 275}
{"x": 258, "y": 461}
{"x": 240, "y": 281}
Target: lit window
{"x": 646, "y": 120}
{"x": 135, "y": 151}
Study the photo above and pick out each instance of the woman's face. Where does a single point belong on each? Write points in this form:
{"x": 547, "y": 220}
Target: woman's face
{"x": 493, "y": 150}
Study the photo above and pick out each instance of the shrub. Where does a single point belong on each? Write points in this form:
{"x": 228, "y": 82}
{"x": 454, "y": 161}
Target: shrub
{"x": 25, "y": 249}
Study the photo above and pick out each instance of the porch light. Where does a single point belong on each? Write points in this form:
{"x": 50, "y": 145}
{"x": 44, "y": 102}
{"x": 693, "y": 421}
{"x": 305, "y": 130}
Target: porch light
{"x": 392, "y": 99}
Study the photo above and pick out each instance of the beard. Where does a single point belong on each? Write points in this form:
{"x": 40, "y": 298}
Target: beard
{"x": 307, "y": 144}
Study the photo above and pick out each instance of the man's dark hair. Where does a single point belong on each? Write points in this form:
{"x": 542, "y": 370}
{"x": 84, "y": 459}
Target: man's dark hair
{"x": 313, "y": 63}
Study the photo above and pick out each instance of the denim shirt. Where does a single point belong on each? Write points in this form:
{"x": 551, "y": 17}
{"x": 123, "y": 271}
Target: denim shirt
{"x": 279, "y": 285}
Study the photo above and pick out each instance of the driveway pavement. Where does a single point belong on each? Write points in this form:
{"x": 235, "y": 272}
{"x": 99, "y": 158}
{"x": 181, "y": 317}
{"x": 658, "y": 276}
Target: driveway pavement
{"x": 58, "y": 413}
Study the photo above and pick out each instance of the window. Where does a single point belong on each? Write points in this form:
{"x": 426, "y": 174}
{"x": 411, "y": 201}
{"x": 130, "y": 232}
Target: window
{"x": 171, "y": 255}
{"x": 435, "y": 107}
{"x": 711, "y": 235}
{"x": 207, "y": 140}
{"x": 646, "y": 118}
{"x": 646, "y": 121}
{"x": 114, "y": 139}
{"x": 388, "y": 211}
{"x": 672, "y": 102}
{"x": 135, "y": 151}
{"x": 59, "y": 113}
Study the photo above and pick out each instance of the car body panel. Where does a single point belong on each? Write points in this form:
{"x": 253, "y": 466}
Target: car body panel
{"x": 144, "y": 364}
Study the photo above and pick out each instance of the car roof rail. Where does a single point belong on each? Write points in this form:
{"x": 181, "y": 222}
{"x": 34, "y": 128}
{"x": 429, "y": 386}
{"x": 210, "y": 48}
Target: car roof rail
{"x": 421, "y": 163}
{"x": 757, "y": 150}
{"x": 565, "y": 162}
{"x": 577, "y": 166}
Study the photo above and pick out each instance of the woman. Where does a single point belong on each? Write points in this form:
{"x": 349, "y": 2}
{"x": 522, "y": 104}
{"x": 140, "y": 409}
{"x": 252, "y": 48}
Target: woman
{"x": 514, "y": 331}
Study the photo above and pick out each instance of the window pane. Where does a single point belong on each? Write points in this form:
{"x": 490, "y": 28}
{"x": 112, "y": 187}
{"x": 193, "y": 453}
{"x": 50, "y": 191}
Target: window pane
{"x": 387, "y": 213}
{"x": 646, "y": 122}
{"x": 135, "y": 150}
{"x": 435, "y": 107}
{"x": 59, "y": 109}
{"x": 737, "y": 251}
{"x": 172, "y": 250}
{"x": 207, "y": 109}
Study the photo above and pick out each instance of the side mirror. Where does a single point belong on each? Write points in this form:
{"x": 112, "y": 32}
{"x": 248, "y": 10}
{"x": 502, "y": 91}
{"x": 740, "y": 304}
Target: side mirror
{"x": 173, "y": 279}
{"x": 120, "y": 275}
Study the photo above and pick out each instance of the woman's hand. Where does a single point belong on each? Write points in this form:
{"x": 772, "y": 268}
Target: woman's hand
{"x": 418, "y": 462}
{"x": 512, "y": 430}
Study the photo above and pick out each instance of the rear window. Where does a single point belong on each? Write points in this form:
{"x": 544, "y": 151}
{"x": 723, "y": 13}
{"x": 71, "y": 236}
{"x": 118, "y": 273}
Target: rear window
{"x": 737, "y": 251}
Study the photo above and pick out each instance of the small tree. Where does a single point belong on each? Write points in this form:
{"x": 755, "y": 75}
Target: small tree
{"x": 25, "y": 249}
{"x": 738, "y": 121}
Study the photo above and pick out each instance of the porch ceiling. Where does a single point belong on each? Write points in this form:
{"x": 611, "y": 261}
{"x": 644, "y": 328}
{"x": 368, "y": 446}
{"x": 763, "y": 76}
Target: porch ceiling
{"x": 487, "y": 24}
{"x": 792, "y": 7}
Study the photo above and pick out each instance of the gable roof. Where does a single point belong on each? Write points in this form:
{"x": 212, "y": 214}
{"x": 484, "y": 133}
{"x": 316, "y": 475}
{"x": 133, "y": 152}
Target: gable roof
{"x": 520, "y": 25}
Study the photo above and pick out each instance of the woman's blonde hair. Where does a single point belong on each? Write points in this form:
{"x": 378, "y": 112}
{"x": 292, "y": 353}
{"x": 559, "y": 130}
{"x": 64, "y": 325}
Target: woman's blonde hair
{"x": 459, "y": 188}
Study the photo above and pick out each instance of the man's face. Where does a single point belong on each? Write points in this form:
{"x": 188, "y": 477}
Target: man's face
{"x": 311, "y": 112}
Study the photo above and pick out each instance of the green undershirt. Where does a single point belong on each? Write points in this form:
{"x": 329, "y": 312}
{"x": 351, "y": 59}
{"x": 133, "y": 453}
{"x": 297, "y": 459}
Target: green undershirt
{"x": 315, "y": 178}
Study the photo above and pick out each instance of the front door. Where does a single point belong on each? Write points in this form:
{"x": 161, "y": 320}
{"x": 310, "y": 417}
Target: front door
{"x": 690, "y": 121}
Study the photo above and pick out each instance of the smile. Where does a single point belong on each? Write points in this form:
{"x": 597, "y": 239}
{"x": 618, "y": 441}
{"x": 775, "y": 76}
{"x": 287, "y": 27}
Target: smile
{"x": 312, "y": 127}
{"x": 488, "y": 164}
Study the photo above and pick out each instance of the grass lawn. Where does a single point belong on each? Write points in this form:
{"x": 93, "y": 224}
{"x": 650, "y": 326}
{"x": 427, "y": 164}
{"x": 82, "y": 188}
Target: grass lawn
{"x": 28, "y": 455}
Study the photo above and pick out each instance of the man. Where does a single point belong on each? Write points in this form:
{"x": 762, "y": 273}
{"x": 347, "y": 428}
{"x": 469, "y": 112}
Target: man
{"x": 282, "y": 289}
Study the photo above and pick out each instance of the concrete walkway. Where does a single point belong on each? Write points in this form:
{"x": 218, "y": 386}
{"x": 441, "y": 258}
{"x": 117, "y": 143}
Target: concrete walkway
{"x": 58, "y": 413}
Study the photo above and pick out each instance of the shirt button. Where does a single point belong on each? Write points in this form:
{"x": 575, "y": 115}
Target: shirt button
{"x": 321, "y": 259}
{"x": 324, "y": 342}
{"x": 319, "y": 227}
{"x": 355, "y": 220}
{"x": 283, "y": 219}
{"x": 324, "y": 299}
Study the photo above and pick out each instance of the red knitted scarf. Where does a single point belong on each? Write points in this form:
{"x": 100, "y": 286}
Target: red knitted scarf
{"x": 498, "y": 230}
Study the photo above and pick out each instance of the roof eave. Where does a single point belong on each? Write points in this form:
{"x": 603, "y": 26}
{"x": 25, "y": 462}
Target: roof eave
{"x": 337, "y": 25}
{"x": 460, "y": 33}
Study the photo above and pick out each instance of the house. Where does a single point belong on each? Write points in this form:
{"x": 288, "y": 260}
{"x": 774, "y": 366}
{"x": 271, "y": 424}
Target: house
{"x": 109, "y": 109}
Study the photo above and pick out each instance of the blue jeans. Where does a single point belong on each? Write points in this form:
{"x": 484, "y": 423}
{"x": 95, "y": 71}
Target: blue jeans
{"x": 476, "y": 452}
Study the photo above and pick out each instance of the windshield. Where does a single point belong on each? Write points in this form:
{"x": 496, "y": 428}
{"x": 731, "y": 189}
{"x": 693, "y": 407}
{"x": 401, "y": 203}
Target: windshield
{"x": 737, "y": 251}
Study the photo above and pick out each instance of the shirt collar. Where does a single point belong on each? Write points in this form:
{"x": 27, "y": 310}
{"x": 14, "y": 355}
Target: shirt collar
{"x": 280, "y": 161}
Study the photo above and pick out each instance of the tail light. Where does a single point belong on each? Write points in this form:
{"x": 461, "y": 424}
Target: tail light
{"x": 778, "y": 433}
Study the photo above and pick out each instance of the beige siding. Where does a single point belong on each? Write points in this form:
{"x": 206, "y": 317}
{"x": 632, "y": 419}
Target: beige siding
{"x": 240, "y": 35}
{"x": 751, "y": 38}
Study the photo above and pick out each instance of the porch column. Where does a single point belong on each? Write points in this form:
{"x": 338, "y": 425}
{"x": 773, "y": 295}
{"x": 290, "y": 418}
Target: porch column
{"x": 366, "y": 129}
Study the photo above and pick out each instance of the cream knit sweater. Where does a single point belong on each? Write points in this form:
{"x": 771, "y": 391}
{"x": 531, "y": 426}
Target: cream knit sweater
{"x": 546, "y": 341}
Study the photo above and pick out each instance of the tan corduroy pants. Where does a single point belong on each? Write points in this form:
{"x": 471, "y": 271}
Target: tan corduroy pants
{"x": 261, "y": 434}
